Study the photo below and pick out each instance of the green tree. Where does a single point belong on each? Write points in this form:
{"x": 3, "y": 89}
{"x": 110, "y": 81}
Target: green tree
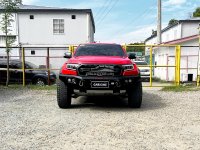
{"x": 136, "y": 48}
{"x": 196, "y": 13}
{"x": 154, "y": 32}
{"x": 172, "y": 22}
{"x": 9, "y": 7}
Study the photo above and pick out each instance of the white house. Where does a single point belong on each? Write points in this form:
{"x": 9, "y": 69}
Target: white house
{"x": 38, "y": 26}
{"x": 184, "y": 33}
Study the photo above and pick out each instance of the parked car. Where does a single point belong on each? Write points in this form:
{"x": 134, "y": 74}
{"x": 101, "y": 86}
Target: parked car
{"x": 99, "y": 69}
{"x": 144, "y": 70}
{"x": 38, "y": 77}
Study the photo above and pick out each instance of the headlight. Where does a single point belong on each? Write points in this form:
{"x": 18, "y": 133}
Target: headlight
{"x": 128, "y": 67}
{"x": 72, "y": 66}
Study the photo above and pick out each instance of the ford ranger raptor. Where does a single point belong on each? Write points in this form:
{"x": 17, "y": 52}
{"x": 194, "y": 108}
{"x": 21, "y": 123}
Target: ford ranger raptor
{"x": 99, "y": 69}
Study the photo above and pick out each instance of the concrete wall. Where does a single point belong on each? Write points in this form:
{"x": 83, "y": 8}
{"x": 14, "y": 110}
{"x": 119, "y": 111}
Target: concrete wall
{"x": 190, "y": 28}
{"x": 172, "y": 34}
{"x": 39, "y": 31}
{"x": 166, "y": 56}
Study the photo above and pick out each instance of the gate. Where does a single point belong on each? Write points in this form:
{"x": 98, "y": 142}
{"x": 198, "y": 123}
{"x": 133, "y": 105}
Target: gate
{"x": 153, "y": 50}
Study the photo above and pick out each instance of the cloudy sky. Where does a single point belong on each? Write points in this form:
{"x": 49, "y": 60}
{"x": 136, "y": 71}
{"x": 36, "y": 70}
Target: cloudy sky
{"x": 126, "y": 21}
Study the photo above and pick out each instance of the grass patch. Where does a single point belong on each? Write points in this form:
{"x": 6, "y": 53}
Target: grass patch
{"x": 32, "y": 87}
{"x": 181, "y": 88}
{"x": 154, "y": 79}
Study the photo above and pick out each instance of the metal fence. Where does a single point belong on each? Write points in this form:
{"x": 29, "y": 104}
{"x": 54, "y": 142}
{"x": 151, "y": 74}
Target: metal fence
{"x": 49, "y": 57}
{"x": 176, "y": 66}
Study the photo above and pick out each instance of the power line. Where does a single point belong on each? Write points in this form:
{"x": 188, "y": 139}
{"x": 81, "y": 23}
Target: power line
{"x": 141, "y": 15}
{"x": 114, "y": 4}
{"x": 109, "y": 2}
{"x": 106, "y": 2}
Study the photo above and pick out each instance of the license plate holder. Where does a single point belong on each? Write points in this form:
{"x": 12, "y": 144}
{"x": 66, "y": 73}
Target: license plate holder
{"x": 99, "y": 84}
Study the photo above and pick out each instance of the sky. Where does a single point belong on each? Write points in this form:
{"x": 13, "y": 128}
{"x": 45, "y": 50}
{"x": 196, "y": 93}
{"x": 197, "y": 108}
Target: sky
{"x": 126, "y": 21}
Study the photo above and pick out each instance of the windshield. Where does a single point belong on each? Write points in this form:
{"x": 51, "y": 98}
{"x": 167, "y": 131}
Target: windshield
{"x": 141, "y": 63}
{"x": 99, "y": 50}
{"x": 30, "y": 65}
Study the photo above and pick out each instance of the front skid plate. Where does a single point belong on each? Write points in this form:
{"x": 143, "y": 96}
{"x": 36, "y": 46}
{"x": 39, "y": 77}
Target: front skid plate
{"x": 99, "y": 92}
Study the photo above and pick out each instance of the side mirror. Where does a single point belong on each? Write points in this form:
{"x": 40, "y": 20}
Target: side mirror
{"x": 131, "y": 55}
{"x": 67, "y": 55}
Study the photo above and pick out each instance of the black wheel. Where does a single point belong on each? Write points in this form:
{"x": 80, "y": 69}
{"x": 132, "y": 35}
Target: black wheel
{"x": 40, "y": 82}
{"x": 135, "y": 96}
{"x": 63, "y": 95}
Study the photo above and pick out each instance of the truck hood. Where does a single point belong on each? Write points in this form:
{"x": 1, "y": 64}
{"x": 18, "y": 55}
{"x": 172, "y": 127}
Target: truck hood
{"x": 100, "y": 60}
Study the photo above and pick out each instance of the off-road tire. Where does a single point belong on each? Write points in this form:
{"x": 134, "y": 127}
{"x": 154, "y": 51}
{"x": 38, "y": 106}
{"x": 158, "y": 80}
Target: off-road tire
{"x": 135, "y": 95}
{"x": 63, "y": 95}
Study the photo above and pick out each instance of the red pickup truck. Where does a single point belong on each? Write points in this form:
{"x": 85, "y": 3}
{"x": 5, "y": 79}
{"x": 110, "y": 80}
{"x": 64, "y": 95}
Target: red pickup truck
{"x": 99, "y": 69}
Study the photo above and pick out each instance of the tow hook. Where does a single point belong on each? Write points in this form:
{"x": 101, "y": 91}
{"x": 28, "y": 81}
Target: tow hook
{"x": 81, "y": 83}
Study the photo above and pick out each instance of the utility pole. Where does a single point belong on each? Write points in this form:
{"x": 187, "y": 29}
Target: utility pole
{"x": 159, "y": 23}
{"x": 198, "y": 65}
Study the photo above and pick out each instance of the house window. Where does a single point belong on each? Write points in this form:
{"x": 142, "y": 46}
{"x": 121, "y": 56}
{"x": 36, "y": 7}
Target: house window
{"x": 58, "y": 26}
{"x": 31, "y": 16}
{"x": 32, "y": 52}
{"x": 73, "y": 16}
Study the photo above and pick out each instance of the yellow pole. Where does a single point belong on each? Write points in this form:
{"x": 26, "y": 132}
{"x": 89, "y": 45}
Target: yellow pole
{"x": 151, "y": 67}
{"x": 178, "y": 65}
{"x": 179, "y": 61}
{"x": 23, "y": 66}
{"x": 198, "y": 65}
{"x": 70, "y": 49}
{"x": 73, "y": 48}
{"x": 125, "y": 47}
{"x": 175, "y": 81}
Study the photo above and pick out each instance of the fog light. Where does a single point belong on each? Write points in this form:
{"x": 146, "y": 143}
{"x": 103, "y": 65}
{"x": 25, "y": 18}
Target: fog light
{"x": 126, "y": 81}
{"x": 130, "y": 80}
{"x": 69, "y": 80}
{"x": 112, "y": 83}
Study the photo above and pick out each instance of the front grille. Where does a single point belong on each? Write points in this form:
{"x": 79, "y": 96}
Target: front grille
{"x": 100, "y": 70}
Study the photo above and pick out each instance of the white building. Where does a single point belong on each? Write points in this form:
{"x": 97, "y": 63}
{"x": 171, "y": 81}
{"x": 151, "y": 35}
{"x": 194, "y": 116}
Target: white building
{"x": 184, "y": 33}
{"x": 37, "y": 26}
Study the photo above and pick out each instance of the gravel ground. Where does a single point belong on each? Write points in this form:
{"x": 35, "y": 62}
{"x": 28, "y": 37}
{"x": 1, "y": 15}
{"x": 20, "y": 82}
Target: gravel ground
{"x": 31, "y": 119}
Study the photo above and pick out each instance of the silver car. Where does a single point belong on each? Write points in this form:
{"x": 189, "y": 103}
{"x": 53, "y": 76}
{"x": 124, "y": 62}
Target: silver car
{"x": 144, "y": 70}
